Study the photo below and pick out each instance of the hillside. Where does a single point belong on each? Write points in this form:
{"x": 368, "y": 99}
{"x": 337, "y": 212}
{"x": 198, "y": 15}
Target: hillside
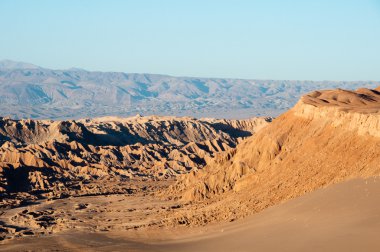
{"x": 29, "y": 91}
{"x": 328, "y": 137}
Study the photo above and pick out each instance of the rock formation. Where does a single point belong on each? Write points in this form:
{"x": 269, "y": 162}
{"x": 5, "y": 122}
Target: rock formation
{"x": 98, "y": 156}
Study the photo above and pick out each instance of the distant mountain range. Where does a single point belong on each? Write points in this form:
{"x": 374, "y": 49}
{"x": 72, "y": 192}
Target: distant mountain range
{"x": 29, "y": 91}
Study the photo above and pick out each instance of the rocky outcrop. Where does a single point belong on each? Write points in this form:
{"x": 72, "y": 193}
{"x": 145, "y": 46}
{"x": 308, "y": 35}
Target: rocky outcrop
{"x": 357, "y": 111}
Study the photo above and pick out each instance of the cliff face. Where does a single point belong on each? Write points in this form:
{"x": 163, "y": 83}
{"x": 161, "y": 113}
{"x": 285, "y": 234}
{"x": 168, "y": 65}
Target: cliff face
{"x": 329, "y": 136}
{"x": 55, "y": 158}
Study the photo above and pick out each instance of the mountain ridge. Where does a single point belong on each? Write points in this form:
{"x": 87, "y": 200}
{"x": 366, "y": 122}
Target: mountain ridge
{"x": 43, "y": 93}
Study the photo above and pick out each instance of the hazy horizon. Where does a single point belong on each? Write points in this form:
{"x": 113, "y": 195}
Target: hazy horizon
{"x": 180, "y": 76}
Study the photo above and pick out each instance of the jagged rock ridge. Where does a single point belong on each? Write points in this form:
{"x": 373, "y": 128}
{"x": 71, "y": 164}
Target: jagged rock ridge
{"x": 97, "y": 156}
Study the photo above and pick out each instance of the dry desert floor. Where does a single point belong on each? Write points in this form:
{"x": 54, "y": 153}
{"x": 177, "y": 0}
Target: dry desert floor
{"x": 341, "y": 217}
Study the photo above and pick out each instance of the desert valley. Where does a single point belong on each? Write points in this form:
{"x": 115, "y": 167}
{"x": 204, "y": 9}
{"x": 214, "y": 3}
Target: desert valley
{"x": 305, "y": 180}
{"x": 189, "y": 126}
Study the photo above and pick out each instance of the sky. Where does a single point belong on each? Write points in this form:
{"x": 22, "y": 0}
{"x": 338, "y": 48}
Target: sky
{"x": 283, "y": 39}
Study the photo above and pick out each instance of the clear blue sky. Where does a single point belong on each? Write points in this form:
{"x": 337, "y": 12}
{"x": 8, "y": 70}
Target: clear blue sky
{"x": 311, "y": 40}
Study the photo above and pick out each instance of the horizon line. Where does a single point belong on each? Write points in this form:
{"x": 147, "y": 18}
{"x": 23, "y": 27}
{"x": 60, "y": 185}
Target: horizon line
{"x": 170, "y": 75}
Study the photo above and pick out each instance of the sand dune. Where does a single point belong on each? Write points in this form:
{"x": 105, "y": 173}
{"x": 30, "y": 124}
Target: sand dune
{"x": 343, "y": 217}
